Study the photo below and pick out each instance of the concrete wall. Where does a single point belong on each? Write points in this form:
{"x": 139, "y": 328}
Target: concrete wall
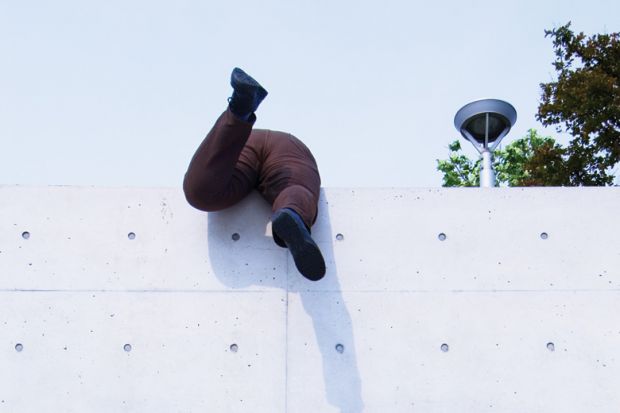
{"x": 435, "y": 300}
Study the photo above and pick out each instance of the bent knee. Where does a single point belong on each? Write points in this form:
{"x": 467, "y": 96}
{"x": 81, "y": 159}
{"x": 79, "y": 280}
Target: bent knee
{"x": 201, "y": 200}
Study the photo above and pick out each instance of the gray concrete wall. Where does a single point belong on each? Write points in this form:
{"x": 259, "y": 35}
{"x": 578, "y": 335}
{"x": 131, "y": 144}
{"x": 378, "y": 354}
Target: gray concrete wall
{"x": 435, "y": 300}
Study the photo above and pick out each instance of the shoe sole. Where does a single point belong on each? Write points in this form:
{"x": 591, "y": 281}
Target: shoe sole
{"x": 245, "y": 84}
{"x": 306, "y": 254}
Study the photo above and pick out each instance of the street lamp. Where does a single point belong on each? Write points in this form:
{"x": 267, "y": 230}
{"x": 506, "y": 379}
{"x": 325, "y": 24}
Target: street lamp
{"x": 484, "y": 123}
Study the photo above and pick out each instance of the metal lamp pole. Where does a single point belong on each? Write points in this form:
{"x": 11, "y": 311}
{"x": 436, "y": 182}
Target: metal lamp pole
{"x": 485, "y": 123}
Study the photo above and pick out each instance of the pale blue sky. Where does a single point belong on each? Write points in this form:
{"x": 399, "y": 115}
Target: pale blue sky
{"x": 120, "y": 93}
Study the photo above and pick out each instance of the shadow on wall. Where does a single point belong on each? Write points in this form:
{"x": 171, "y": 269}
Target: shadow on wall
{"x": 243, "y": 255}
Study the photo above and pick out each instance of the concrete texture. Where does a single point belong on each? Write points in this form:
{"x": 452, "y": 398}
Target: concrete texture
{"x": 435, "y": 300}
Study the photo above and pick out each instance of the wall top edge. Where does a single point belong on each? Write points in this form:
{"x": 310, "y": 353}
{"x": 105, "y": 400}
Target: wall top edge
{"x": 338, "y": 189}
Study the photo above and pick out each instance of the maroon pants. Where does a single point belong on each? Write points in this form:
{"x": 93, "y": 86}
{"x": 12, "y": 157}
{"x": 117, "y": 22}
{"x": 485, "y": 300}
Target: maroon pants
{"x": 234, "y": 159}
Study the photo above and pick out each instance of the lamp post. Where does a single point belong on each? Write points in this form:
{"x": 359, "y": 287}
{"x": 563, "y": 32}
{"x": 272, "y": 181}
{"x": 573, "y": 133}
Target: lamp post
{"x": 485, "y": 123}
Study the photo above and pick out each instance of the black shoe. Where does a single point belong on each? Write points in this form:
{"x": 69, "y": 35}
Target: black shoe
{"x": 289, "y": 226}
{"x": 247, "y": 94}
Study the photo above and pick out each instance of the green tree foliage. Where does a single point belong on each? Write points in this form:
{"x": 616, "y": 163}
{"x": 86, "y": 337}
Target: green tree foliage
{"x": 517, "y": 164}
{"x": 458, "y": 169}
{"x": 585, "y": 102}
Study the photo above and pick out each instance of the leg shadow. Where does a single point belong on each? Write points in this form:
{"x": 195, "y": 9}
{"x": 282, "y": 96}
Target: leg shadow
{"x": 324, "y": 304}
{"x": 243, "y": 255}
{"x": 241, "y": 250}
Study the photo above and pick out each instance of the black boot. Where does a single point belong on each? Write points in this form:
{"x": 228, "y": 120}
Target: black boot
{"x": 247, "y": 94}
{"x": 290, "y": 228}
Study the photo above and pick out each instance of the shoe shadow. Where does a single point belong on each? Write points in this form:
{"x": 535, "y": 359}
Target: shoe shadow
{"x": 252, "y": 260}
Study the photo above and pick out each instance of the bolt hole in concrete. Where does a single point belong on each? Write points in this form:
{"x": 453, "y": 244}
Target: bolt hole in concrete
{"x": 441, "y": 237}
{"x": 127, "y": 347}
{"x": 340, "y": 348}
{"x": 131, "y": 235}
{"x": 445, "y": 347}
{"x": 234, "y": 348}
{"x": 544, "y": 235}
{"x": 19, "y": 347}
{"x": 550, "y": 346}
{"x": 25, "y": 235}
{"x": 236, "y": 236}
{"x": 339, "y": 237}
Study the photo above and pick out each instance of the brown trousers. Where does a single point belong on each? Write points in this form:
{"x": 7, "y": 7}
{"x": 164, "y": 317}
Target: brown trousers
{"x": 234, "y": 159}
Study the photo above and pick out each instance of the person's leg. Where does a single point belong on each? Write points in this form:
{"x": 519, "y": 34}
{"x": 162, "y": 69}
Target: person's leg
{"x": 290, "y": 181}
{"x": 290, "y": 176}
{"x": 224, "y": 169}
